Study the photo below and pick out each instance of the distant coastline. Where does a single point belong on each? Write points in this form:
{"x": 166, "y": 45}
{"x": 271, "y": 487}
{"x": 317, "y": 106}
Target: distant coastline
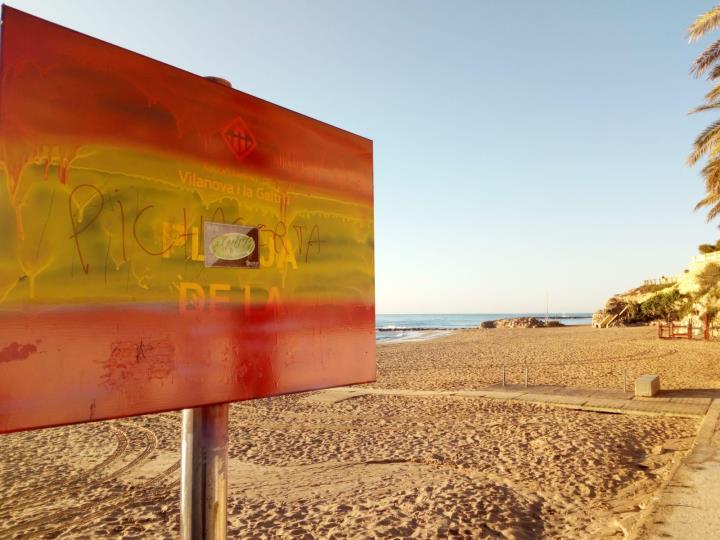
{"x": 458, "y": 321}
{"x": 399, "y": 327}
{"x": 550, "y": 318}
{"x": 423, "y": 328}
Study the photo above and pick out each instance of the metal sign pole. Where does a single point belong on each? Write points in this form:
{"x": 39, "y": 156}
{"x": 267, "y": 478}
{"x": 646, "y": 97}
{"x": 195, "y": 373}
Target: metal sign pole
{"x": 203, "y": 484}
{"x": 203, "y": 488}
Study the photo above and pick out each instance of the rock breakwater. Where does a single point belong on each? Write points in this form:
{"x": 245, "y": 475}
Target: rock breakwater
{"x": 520, "y": 322}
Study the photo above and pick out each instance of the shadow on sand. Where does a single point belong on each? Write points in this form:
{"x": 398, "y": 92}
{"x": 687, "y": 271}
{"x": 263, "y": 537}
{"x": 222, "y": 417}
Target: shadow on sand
{"x": 712, "y": 393}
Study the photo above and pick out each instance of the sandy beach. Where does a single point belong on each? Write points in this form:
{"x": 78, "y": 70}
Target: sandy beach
{"x": 387, "y": 466}
{"x": 571, "y": 356}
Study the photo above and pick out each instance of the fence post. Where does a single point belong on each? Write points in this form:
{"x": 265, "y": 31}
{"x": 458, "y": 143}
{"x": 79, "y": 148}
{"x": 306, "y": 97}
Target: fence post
{"x": 526, "y": 376}
{"x": 672, "y": 331}
{"x": 503, "y": 375}
{"x": 659, "y": 330}
{"x": 706, "y": 333}
{"x": 690, "y": 329}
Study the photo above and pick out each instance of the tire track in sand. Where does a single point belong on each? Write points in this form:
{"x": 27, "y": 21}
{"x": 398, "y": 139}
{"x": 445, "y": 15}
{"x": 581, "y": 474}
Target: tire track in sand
{"x": 58, "y": 520}
{"x": 123, "y": 441}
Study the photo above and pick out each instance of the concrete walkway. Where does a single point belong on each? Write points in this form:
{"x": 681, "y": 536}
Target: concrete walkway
{"x": 686, "y": 403}
{"x": 688, "y": 506}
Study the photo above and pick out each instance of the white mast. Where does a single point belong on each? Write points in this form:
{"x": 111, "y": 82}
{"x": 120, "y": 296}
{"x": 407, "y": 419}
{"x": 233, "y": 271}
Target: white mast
{"x": 547, "y": 304}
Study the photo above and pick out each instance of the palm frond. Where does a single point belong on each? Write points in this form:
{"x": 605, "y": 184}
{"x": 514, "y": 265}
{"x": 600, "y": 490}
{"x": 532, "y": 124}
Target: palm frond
{"x": 713, "y": 150}
{"x": 707, "y": 22}
{"x": 702, "y": 203}
{"x": 712, "y": 183}
{"x": 708, "y": 142}
{"x": 711, "y": 199}
{"x": 711, "y": 175}
{"x": 706, "y": 59}
{"x": 713, "y": 95}
{"x": 711, "y": 169}
{"x": 714, "y": 73}
{"x": 704, "y": 141}
{"x": 706, "y": 107}
{"x": 714, "y": 210}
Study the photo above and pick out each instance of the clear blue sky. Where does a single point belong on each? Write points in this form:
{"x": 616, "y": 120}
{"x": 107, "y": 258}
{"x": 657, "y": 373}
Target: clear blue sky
{"x": 532, "y": 145}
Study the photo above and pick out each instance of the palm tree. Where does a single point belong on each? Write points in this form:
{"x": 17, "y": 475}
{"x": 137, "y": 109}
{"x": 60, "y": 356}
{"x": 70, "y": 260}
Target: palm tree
{"x": 708, "y": 142}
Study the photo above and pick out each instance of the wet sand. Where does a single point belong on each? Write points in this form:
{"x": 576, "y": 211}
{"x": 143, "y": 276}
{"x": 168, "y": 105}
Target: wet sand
{"x": 383, "y": 466}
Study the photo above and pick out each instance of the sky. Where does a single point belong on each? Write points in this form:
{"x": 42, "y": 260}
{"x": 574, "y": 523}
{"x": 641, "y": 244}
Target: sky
{"x": 523, "y": 150}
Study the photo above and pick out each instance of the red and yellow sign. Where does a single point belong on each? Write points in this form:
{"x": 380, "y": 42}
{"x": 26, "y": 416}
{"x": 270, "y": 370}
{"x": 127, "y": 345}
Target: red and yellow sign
{"x": 113, "y": 169}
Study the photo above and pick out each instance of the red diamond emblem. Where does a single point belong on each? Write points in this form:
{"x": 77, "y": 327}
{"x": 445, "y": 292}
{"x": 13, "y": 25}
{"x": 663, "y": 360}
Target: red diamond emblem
{"x": 239, "y": 138}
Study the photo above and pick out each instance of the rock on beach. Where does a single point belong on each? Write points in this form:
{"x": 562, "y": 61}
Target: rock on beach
{"x": 519, "y": 322}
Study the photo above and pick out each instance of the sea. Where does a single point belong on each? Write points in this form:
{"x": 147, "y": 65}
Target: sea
{"x": 417, "y": 327}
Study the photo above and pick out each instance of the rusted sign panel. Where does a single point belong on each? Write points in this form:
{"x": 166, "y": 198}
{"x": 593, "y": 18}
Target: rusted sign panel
{"x": 113, "y": 168}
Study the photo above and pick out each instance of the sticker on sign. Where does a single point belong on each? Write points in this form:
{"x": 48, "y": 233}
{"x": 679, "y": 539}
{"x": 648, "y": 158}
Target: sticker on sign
{"x": 230, "y": 245}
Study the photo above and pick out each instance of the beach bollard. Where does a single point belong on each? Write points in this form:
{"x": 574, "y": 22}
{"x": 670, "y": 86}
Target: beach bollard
{"x": 503, "y": 375}
{"x": 526, "y": 376}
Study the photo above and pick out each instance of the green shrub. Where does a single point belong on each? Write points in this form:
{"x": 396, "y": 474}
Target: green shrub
{"x": 633, "y": 313}
{"x": 706, "y": 248}
{"x": 708, "y": 278}
{"x": 668, "y": 306}
{"x": 650, "y": 287}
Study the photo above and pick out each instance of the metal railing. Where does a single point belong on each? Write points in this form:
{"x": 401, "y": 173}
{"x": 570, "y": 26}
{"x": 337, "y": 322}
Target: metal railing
{"x": 503, "y": 380}
{"x": 664, "y": 280}
{"x": 623, "y": 363}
